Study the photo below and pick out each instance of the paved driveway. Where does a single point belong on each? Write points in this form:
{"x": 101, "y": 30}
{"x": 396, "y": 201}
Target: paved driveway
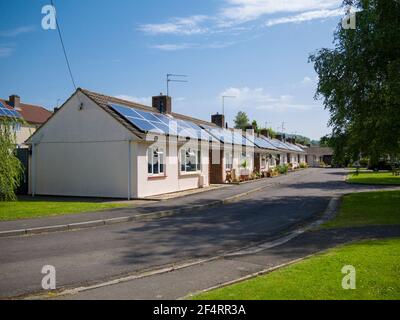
{"x": 98, "y": 254}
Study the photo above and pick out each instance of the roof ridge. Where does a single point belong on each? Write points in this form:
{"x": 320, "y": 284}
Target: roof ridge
{"x": 132, "y": 104}
{"x": 108, "y": 97}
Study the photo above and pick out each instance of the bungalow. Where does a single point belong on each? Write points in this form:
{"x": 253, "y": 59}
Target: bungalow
{"x": 318, "y": 156}
{"x": 232, "y": 156}
{"x": 100, "y": 146}
{"x": 33, "y": 116}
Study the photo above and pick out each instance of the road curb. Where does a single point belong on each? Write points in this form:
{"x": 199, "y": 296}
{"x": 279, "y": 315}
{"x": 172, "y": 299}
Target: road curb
{"x": 248, "y": 277}
{"x": 140, "y": 217}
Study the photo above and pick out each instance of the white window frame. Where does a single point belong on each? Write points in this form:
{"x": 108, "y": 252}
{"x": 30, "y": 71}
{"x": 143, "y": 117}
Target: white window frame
{"x": 228, "y": 160}
{"x": 263, "y": 161}
{"x": 16, "y": 126}
{"x": 161, "y": 161}
{"x": 183, "y": 159}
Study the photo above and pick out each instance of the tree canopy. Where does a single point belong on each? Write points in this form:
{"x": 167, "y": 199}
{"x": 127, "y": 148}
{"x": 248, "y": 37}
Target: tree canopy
{"x": 359, "y": 81}
{"x": 241, "y": 120}
{"x": 11, "y": 169}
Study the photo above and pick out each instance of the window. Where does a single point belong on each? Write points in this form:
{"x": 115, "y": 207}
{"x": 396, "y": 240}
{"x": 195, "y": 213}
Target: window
{"x": 272, "y": 160}
{"x": 244, "y": 159}
{"x": 16, "y": 126}
{"x": 228, "y": 160}
{"x": 155, "y": 161}
{"x": 190, "y": 160}
{"x": 263, "y": 161}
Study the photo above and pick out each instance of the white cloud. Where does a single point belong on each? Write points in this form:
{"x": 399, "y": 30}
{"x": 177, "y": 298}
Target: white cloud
{"x": 247, "y": 98}
{"x": 306, "y": 80}
{"x": 233, "y": 14}
{"x": 6, "y": 51}
{"x": 172, "y": 46}
{"x": 247, "y": 10}
{"x": 306, "y": 16}
{"x": 182, "y": 46}
{"x": 182, "y": 26}
{"x": 16, "y": 32}
{"x": 140, "y": 100}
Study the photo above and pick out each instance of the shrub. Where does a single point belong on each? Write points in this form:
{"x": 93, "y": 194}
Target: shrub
{"x": 283, "y": 169}
{"x": 303, "y": 165}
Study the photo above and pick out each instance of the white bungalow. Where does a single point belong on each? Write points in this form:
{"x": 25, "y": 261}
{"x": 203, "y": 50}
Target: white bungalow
{"x": 100, "y": 146}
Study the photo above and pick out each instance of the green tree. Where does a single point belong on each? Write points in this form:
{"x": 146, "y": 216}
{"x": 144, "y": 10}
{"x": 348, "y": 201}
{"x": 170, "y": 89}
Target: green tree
{"x": 271, "y": 132}
{"x": 359, "y": 81}
{"x": 255, "y": 125}
{"x": 11, "y": 169}
{"x": 241, "y": 120}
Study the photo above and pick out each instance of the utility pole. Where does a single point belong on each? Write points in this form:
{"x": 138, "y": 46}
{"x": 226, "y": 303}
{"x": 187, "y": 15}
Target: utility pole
{"x": 283, "y": 126}
{"x": 171, "y": 75}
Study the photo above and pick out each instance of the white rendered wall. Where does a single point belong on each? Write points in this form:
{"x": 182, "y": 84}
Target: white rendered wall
{"x": 81, "y": 153}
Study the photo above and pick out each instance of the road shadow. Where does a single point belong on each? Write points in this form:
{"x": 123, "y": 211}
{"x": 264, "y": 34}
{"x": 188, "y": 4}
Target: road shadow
{"x": 210, "y": 232}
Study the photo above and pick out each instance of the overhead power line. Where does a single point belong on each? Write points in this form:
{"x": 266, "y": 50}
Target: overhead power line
{"x": 63, "y": 48}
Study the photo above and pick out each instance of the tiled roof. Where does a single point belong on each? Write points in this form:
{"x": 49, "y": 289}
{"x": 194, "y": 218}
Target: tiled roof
{"x": 104, "y": 100}
{"x": 31, "y": 113}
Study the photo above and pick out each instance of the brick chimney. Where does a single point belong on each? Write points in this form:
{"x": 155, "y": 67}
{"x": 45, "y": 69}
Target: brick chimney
{"x": 162, "y": 104}
{"x": 218, "y": 119}
{"x": 15, "y": 102}
{"x": 264, "y": 132}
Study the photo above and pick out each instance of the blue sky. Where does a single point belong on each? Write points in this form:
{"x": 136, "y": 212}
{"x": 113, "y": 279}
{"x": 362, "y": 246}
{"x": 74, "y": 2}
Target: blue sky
{"x": 256, "y": 50}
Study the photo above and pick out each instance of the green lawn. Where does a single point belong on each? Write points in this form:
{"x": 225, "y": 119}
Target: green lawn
{"x": 377, "y": 265}
{"x": 33, "y": 209}
{"x": 374, "y": 178}
{"x": 368, "y": 208}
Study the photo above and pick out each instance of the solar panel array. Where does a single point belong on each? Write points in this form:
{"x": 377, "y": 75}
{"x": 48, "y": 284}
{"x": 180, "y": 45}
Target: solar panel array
{"x": 283, "y": 145}
{"x": 9, "y": 113}
{"x": 263, "y": 143}
{"x": 161, "y": 124}
{"x": 227, "y": 136}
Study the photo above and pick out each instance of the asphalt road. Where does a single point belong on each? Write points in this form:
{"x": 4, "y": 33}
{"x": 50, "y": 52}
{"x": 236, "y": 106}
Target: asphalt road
{"x": 98, "y": 254}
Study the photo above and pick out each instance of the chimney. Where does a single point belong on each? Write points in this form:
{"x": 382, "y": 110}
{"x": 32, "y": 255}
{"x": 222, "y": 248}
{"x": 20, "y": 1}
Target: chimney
{"x": 250, "y": 129}
{"x": 264, "y": 132}
{"x": 218, "y": 119}
{"x": 162, "y": 104}
{"x": 15, "y": 102}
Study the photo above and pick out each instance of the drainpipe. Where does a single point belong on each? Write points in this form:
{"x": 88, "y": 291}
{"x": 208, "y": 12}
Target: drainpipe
{"x": 129, "y": 169}
{"x": 33, "y": 167}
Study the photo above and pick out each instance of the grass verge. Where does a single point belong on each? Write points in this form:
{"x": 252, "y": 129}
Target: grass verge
{"x": 377, "y": 265}
{"x": 367, "y": 208}
{"x": 380, "y": 178}
{"x": 34, "y": 209}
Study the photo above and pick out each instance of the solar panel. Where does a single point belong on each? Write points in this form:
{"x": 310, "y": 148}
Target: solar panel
{"x": 161, "y": 124}
{"x": 264, "y": 144}
{"x": 4, "y": 112}
{"x": 284, "y": 145}
{"x": 227, "y": 136}
{"x": 276, "y": 143}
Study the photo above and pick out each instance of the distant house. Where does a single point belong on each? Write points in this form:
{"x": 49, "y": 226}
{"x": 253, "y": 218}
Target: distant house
{"x": 319, "y": 155}
{"x": 34, "y": 116}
